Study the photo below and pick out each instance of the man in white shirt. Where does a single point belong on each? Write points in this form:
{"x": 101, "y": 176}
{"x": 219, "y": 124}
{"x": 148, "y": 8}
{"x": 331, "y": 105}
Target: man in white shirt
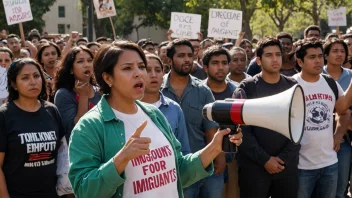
{"x": 317, "y": 158}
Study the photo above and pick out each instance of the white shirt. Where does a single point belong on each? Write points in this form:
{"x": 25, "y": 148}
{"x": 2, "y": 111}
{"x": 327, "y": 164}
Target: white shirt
{"x": 153, "y": 175}
{"x": 317, "y": 145}
{"x": 238, "y": 83}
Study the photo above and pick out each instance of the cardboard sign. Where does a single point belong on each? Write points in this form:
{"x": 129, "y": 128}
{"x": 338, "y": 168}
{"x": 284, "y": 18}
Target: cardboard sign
{"x": 337, "y": 17}
{"x": 185, "y": 25}
{"x": 3, "y": 83}
{"x": 224, "y": 23}
{"x": 104, "y": 8}
{"x": 17, "y": 11}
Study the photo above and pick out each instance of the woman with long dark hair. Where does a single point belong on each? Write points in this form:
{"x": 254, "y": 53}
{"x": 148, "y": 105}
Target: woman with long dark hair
{"x": 126, "y": 148}
{"x": 75, "y": 87}
{"x": 30, "y": 134}
{"x": 48, "y": 56}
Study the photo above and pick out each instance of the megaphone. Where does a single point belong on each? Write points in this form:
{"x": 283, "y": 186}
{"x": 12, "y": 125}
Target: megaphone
{"x": 283, "y": 113}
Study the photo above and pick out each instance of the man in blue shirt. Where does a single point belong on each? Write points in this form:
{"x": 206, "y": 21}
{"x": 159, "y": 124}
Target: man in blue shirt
{"x": 192, "y": 95}
{"x": 216, "y": 60}
{"x": 171, "y": 110}
{"x": 336, "y": 52}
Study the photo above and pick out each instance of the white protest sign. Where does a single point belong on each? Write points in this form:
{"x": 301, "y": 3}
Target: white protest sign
{"x": 104, "y": 8}
{"x": 17, "y": 11}
{"x": 224, "y": 23}
{"x": 3, "y": 83}
{"x": 337, "y": 17}
{"x": 185, "y": 25}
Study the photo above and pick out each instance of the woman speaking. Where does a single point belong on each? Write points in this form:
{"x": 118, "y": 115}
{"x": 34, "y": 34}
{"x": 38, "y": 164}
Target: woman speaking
{"x": 126, "y": 148}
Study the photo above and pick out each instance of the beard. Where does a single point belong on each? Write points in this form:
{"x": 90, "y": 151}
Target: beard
{"x": 214, "y": 78}
{"x": 180, "y": 71}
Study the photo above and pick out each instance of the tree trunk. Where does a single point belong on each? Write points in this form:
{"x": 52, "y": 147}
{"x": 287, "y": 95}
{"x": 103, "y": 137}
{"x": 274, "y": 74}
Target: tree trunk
{"x": 315, "y": 13}
{"x": 246, "y": 17}
{"x": 247, "y": 30}
{"x": 99, "y": 27}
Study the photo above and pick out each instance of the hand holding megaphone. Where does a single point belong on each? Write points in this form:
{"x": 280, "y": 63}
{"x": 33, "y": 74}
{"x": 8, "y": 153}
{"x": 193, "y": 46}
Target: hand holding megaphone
{"x": 283, "y": 113}
{"x": 221, "y": 133}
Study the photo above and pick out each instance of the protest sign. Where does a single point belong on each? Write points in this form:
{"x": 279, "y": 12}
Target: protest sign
{"x": 104, "y": 8}
{"x": 337, "y": 17}
{"x": 224, "y": 23}
{"x": 17, "y": 11}
{"x": 3, "y": 83}
{"x": 185, "y": 25}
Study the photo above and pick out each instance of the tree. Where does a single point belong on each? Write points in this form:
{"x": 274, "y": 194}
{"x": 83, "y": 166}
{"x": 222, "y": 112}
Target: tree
{"x": 248, "y": 8}
{"x": 279, "y": 11}
{"x": 39, "y": 8}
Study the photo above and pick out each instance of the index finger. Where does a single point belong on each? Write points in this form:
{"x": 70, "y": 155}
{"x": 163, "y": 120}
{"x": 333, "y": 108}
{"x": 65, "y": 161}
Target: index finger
{"x": 139, "y": 130}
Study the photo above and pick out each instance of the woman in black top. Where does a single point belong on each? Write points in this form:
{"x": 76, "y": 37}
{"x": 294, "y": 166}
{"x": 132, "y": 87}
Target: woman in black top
{"x": 30, "y": 135}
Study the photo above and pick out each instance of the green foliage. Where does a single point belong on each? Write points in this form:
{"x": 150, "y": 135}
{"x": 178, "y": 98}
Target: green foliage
{"x": 39, "y": 8}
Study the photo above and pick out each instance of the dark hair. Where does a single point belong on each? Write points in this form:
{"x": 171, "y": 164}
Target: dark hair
{"x": 163, "y": 44}
{"x": 107, "y": 58}
{"x": 171, "y": 48}
{"x": 153, "y": 56}
{"x": 303, "y": 45}
{"x": 309, "y": 28}
{"x": 284, "y": 35}
{"x": 235, "y": 50}
{"x": 144, "y": 42}
{"x": 346, "y": 36}
{"x": 81, "y": 39}
{"x": 194, "y": 40}
{"x": 92, "y": 44}
{"x": 34, "y": 34}
{"x": 102, "y": 39}
{"x": 13, "y": 36}
{"x": 12, "y": 74}
{"x": 64, "y": 78}
{"x": 215, "y": 50}
{"x": 328, "y": 44}
{"x": 266, "y": 43}
{"x": 7, "y": 50}
{"x": 244, "y": 41}
{"x": 331, "y": 35}
{"x": 42, "y": 48}
{"x": 203, "y": 42}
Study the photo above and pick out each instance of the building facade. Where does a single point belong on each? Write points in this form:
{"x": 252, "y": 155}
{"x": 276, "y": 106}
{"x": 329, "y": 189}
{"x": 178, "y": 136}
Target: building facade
{"x": 64, "y": 16}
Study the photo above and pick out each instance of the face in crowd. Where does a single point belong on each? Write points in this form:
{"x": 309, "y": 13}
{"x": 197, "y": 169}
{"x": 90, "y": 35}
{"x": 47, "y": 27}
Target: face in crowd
{"x": 217, "y": 68}
{"x": 196, "y": 47}
{"x": 313, "y": 61}
{"x": 121, "y": 71}
{"x": 238, "y": 62}
{"x": 271, "y": 59}
{"x": 5, "y": 59}
{"x": 182, "y": 60}
{"x": 337, "y": 54}
{"x": 26, "y": 80}
{"x": 14, "y": 44}
{"x": 49, "y": 56}
{"x": 154, "y": 74}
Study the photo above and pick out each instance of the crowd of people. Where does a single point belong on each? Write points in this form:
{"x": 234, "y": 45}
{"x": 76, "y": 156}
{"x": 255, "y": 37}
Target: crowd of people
{"x": 131, "y": 113}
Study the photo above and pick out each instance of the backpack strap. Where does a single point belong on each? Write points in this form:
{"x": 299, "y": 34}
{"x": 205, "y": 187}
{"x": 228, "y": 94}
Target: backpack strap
{"x": 332, "y": 84}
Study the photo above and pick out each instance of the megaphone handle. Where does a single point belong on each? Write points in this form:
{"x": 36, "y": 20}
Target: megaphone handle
{"x": 227, "y": 146}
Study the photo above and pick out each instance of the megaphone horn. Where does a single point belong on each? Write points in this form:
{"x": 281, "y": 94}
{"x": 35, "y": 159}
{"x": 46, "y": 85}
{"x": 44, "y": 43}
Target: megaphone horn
{"x": 283, "y": 112}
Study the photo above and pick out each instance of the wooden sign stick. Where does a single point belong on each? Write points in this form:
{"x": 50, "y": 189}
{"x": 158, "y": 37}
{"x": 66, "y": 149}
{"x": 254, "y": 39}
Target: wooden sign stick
{"x": 113, "y": 28}
{"x": 22, "y": 35}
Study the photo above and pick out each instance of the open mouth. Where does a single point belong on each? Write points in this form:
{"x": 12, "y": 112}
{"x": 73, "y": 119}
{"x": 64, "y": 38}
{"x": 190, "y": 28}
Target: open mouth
{"x": 138, "y": 85}
{"x": 87, "y": 73}
{"x": 52, "y": 62}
